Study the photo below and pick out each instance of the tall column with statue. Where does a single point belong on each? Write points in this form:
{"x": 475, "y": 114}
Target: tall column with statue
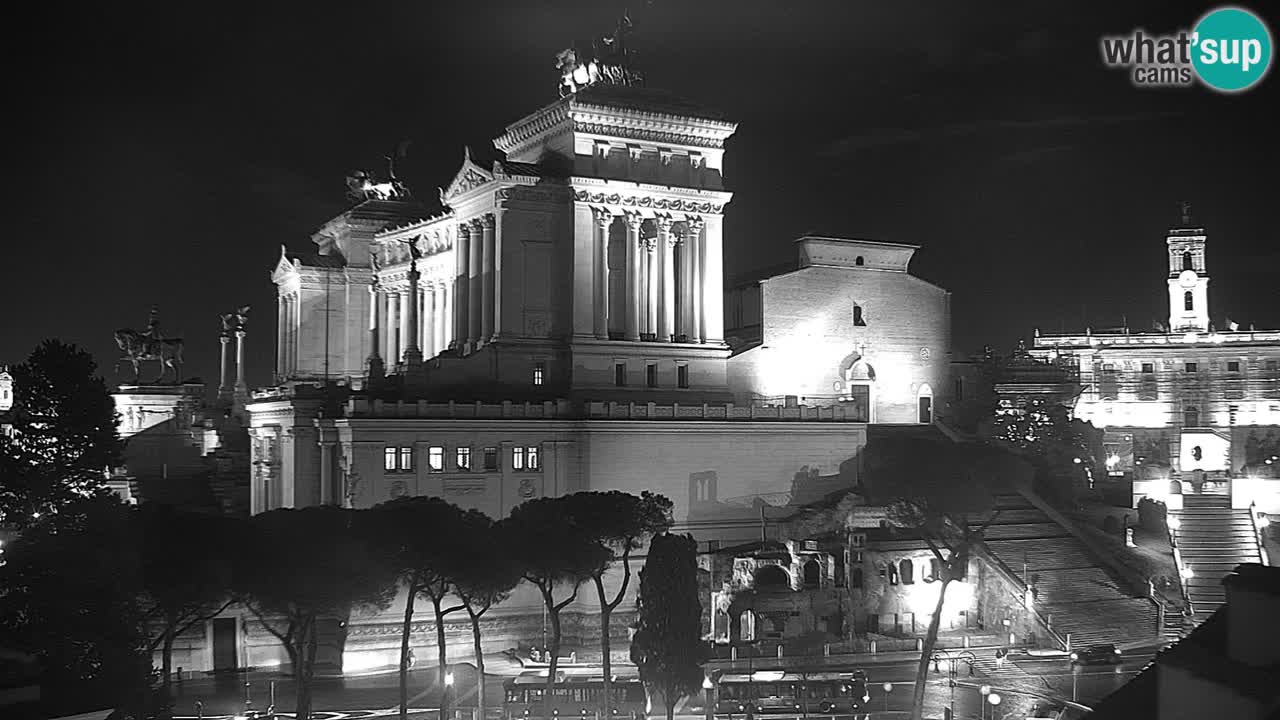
{"x": 412, "y": 352}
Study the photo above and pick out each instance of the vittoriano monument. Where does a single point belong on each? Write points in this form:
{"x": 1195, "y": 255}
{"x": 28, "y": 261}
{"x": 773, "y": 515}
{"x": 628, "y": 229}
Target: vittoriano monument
{"x": 151, "y": 346}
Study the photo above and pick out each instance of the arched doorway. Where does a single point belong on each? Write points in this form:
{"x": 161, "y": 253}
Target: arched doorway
{"x": 772, "y": 578}
{"x": 924, "y": 404}
{"x": 812, "y": 574}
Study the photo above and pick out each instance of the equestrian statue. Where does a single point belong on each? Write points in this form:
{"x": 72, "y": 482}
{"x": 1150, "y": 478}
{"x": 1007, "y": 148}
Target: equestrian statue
{"x": 139, "y": 347}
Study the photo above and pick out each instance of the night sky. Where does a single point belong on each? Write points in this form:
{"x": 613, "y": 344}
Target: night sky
{"x": 161, "y": 154}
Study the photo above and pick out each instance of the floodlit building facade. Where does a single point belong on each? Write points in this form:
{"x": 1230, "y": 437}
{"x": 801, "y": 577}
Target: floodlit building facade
{"x": 1189, "y": 406}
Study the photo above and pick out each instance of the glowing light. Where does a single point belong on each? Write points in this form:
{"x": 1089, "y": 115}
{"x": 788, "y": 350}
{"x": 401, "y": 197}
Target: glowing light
{"x": 448, "y": 679}
{"x": 706, "y": 683}
{"x": 767, "y": 675}
{"x": 985, "y": 689}
{"x": 888, "y": 687}
{"x": 994, "y": 699}
{"x": 1174, "y": 523}
{"x": 1076, "y": 460}
{"x": 1187, "y": 574}
{"x": 1112, "y": 461}
{"x": 270, "y": 663}
{"x": 359, "y": 662}
{"x": 1263, "y": 520}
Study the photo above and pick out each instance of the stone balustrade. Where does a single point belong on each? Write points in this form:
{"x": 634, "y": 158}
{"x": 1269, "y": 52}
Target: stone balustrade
{"x": 565, "y": 410}
{"x": 729, "y": 411}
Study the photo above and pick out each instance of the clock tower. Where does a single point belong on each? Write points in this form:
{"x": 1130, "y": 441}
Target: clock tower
{"x": 1188, "y": 279}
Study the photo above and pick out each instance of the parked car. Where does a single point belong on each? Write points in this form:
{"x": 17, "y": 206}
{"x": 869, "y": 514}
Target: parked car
{"x": 1097, "y": 655}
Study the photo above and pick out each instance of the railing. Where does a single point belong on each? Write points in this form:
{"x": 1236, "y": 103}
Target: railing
{"x": 728, "y": 411}
{"x": 1257, "y": 532}
{"x": 1177, "y": 563}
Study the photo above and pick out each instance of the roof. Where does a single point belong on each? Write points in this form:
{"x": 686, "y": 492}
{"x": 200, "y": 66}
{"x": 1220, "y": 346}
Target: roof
{"x": 321, "y": 261}
{"x": 646, "y": 99}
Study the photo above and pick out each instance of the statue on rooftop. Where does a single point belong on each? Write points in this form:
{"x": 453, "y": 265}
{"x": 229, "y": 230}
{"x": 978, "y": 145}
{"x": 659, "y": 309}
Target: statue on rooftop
{"x": 138, "y": 347}
{"x": 608, "y": 66}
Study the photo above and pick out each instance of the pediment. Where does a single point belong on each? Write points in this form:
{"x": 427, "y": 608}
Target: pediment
{"x": 469, "y": 177}
{"x": 284, "y": 268}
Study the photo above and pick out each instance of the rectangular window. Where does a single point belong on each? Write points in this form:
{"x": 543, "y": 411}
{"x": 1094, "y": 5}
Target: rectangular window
{"x": 620, "y": 374}
{"x": 959, "y": 393}
{"x": 435, "y": 458}
{"x": 1148, "y": 368}
{"x": 539, "y": 369}
{"x": 682, "y": 376}
{"x": 1108, "y": 367}
{"x": 651, "y": 375}
{"x": 406, "y": 459}
{"x": 491, "y": 458}
{"x": 517, "y": 458}
{"x": 1189, "y": 367}
{"x": 389, "y": 459}
{"x": 463, "y": 458}
{"x": 1233, "y": 366}
{"x": 531, "y": 457}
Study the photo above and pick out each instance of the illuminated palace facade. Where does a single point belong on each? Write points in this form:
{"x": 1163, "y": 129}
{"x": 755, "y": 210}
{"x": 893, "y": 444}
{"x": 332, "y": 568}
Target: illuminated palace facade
{"x": 558, "y": 325}
{"x": 1189, "y": 406}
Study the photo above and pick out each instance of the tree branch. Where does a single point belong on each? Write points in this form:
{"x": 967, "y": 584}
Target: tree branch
{"x": 560, "y": 606}
{"x": 626, "y": 579}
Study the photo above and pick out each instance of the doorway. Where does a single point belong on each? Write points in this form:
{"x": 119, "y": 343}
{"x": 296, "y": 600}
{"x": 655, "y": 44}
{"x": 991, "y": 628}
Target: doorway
{"x": 926, "y": 409}
{"x": 224, "y": 644}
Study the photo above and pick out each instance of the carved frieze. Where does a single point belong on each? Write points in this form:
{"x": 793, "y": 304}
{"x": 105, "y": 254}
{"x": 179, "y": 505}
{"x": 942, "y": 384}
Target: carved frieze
{"x": 647, "y": 134}
{"x": 457, "y": 488}
{"x": 648, "y": 202}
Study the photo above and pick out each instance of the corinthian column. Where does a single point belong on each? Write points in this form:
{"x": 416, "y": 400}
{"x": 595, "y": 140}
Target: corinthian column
{"x": 405, "y": 318}
{"x": 697, "y": 331}
{"x": 490, "y": 269}
{"x": 667, "y": 296}
{"x": 429, "y": 321}
{"x": 393, "y": 319}
{"x": 633, "y": 276}
{"x": 475, "y": 284}
{"x": 282, "y": 324}
{"x": 412, "y": 351}
{"x": 462, "y": 285}
{"x": 603, "y": 219}
{"x": 224, "y": 384}
{"x": 652, "y": 273}
{"x": 242, "y": 386}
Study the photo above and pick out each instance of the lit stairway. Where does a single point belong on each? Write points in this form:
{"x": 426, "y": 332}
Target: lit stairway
{"x": 1073, "y": 588}
{"x": 1212, "y": 540}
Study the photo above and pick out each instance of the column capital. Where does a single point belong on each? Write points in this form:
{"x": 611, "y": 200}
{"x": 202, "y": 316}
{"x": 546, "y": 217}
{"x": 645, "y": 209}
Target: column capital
{"x": 240, "y": 333}
{"x": 649, "y": 243}
{"x": 664, "y": 223}
{"x": 634, "y": 221}
{"x": 488, "y": 221}
{"x": 464, "y": 228}
{"x": 694, "y": 223}
{"x": 603, "y": 218}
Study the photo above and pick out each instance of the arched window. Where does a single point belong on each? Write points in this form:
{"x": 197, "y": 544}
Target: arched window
{"x": 1187, "y": 263}
{"x": 812, "y": 574}
{"x": 772, "y": 577}
{"x": 1191, "y": 417}
{"x": 858, "y": 261}
{"x": 1187, "y": 302}
{"x": 857, "y": 316}
{"x": 1175, "y": 487}
{"x": 907, "y": 571}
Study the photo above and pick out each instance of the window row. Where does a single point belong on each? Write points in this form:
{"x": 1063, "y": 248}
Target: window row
{"x": 650, "y": 374}
{"x": 401, "y": 459}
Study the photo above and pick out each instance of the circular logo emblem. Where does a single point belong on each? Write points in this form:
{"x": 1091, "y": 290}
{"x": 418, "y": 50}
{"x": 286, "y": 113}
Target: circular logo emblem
{"x": 1231, "y": 49}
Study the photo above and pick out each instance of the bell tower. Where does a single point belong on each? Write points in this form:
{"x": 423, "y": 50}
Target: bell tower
{"x": 1188, "y": 277}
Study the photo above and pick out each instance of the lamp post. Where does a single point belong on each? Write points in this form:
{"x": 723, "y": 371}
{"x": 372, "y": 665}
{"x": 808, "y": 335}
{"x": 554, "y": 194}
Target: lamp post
{"x": 985, "y": 691}
{"x": 707, "y": 687}
{"x": 888, "y": 688}
{"x": 448, "y": 686}
{"x": 994, "y": 699}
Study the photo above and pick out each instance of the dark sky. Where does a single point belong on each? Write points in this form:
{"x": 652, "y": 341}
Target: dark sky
{"x": 162, "y": 154}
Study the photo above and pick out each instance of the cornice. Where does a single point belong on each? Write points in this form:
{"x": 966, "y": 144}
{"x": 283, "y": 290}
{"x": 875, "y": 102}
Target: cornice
{"x": 532, "y": 127}
{"x": 648, "y": 202}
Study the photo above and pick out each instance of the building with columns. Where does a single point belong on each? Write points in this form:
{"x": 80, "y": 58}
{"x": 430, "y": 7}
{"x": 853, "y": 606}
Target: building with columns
{"x": 1190, "y": 405}
{"x": 558, "y": 325}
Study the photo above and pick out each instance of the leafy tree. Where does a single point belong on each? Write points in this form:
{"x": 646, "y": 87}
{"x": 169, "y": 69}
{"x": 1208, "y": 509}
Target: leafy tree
{"x": 486, "y": 575}
{"x": 1060, "y": 448}
{"x": 552, "y": 552}
{"x": 186, "y": 574}
{"x": 418, "y": 535}
{"x": 620, "y": 522}
{"x": 667, "y": 648}
{"x": 68, "y": 596}
{"x": 64, "y": 435}
{"x": 307, "y": 565}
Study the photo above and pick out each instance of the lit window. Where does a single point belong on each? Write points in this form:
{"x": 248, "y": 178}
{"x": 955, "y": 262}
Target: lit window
{"x": 539, "y": 369}
{"x": 1233, "y": 366}
{"x": 1187, "y": 302}
{"x": 682, "y": 376}
{"x": 389, "y": 459}
{"x": 491, "y": 458}
{"x": 406, "y": 459}
{"x": 524, "y": 458}
{"x": 435, "y": 458}
{"x": 620, "y": 374}
{"x": 531, "y": 455}
{"x": 651, "y": 375}
{"x": 1190, "y": 367}
{"x": 463, "y": 458}
{"x": 517, "y": 458}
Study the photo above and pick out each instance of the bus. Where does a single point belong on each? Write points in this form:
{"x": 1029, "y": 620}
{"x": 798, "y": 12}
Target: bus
{"x": 576, "y": 694}
{"x": 765, "y": 692}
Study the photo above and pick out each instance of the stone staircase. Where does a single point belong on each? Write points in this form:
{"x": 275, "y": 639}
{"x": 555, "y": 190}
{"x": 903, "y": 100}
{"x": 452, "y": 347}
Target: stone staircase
{"x": 1212, "y": 540}
{"x": 1073, "y": 589}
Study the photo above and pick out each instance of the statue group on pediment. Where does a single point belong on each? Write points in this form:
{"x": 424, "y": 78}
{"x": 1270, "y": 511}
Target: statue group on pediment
{"x": 607, "y": 64}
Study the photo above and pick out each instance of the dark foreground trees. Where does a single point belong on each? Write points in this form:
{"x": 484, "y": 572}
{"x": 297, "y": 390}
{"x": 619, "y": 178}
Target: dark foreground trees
{"x": 667, "y": 648}
{"x": 486, "y": 576}
{"x": 307, "y": 566}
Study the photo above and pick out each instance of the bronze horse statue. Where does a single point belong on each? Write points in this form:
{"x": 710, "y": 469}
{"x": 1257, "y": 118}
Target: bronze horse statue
{"x": 139, "y": 347}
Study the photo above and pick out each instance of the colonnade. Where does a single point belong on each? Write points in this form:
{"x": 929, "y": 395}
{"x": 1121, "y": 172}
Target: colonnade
{"x": 289, "y": 321}
{"x": 390, "y": 317}
{"x": 660, "y": 304}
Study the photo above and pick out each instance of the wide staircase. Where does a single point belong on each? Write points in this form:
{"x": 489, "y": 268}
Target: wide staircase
{"x": 1073, "y": 589}
{"x": 1212, "y": 540}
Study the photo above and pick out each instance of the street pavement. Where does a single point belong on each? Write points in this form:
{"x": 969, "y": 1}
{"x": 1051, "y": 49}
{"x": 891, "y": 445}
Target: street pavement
{"x": 1022, "y": 681}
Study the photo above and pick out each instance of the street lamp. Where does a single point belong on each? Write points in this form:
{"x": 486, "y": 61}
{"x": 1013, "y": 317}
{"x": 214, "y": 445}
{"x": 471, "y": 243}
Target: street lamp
{"x": 985, "y": 691}
{"x": 444, "y": 696}
{"x": 888, "y": 688}
{"x": 994, "y": 699}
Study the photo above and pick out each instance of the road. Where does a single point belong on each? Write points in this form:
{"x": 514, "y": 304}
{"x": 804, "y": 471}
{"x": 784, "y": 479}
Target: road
{"x": 1022, "y": 682}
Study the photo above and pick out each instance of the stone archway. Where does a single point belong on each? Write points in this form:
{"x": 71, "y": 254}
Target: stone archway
{"x": 772, "y": 578}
